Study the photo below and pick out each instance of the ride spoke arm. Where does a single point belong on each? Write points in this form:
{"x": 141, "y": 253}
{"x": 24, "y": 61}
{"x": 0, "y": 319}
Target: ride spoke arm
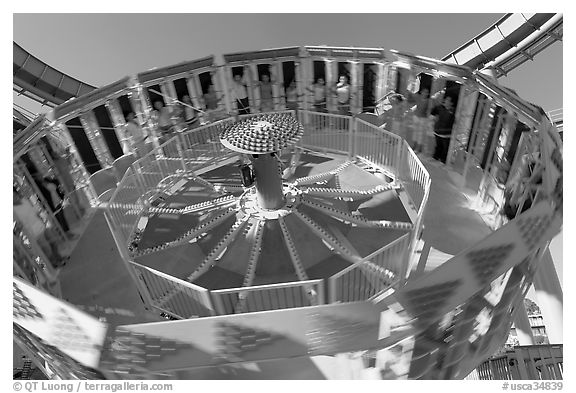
{"x": 358, "y": 220}
{"x": 347, "y": 254}
{"x": 210, "y": 260}
{"x": 210, "y": 204}
{"x": 255, "y": 248}
{"x": 352, "y": 194}
{"x": 191, "y": 234}
{"x": 321, "y": 176}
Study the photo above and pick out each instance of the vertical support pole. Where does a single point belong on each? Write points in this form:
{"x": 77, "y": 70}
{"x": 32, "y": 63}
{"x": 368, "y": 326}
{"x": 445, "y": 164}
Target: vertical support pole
{"x": 208, "y": 302}
{"x": 456, "y": 126}
{"x": 488, "y": 169}
{"x": 307, "y": 81}
{"x": 391, "y": 76}
{"x": 195, "y": 89}
{"x": 217, "y": 302}
{"x": 83, "y": 180}
{"x": 463, "y": 129}
{"x": 381, "y": 80}
{"x": 231, "y": 96}
{"x": 320, "y": 293}
{"x": 169, "y": 91}
{"x": 480, "y": 136}
{"x": 299, "y": 79}
{"x": 140, "y": 103}
{"x": 90, "y": 125}
{"x": 332, "y": 289}
{"x": 268, "y": 181}
{"x": 355, "y": 86}
{"x": 136, "y": 102}
{"x": 119, "y": 124}
{"x": 474, "y": 136}
{"x": 331, "y": 67}
{"x": 351, "y": 138}
{"x": 224, "y": 74}
{"x": 251, "y": 79}
{"x": 277, "y": 77}
{"x": 360, "y": 87}
{"x": 146, "y": 105}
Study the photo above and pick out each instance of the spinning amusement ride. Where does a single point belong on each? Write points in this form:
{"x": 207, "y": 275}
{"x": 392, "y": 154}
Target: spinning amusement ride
{"x": 284, "y": 237}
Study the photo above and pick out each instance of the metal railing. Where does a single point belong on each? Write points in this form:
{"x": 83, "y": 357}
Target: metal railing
{"x": 374, "y": 274}
{"x": 531, "y": 362}
{"x": 377, "y": 145}
{"x": 269, "y": 297}
{"x": 126, "y": 206}
{"x": 326, "y": 132}
{"x": 174, "y": 296}
{"x": 195, "y": 149}
{"x": 414, "y": 177}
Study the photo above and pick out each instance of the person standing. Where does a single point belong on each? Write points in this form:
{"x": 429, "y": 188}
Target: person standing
{"x": 319, "y": 90}
{"x": 393, "y": 118}
{"x": 266, "y": 101}
{"x": 292, "y": 96}
{"x": 420, "y": 119}
{"x": 342, "y": 91}
{"x": 211, "y": 101}
{"x": 163, "y": 117}
{"x": 443, "y": 128}
{"x": 240, "y": 93}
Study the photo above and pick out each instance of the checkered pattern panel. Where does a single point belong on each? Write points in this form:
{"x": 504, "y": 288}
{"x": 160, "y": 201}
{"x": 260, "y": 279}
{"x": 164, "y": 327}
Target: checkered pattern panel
{"x": 130, "y": 348}
{"x": 68, "y": 334}
{"x": 425, "y": 303}
{"x": 532, "y": 229}
{"x": 22, "y": 308}
{"x": 485, "y": 263}
{"x": 236, "y": 341}
{"x": 556, "y": 158}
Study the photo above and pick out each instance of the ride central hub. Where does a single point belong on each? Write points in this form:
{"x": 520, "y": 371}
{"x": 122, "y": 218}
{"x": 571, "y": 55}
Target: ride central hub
{"x": 261, "y": 138}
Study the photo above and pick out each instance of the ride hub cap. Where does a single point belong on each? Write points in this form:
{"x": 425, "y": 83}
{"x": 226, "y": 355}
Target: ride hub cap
{"x": 263, "y": 134}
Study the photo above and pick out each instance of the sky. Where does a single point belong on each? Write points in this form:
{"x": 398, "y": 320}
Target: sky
{"x": 102, "y": 48}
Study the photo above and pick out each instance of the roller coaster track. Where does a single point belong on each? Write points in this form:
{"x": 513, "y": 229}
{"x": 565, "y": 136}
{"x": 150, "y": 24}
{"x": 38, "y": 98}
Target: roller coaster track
{"x": 38, "y": 81}
{"x": 509, "y": 42}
